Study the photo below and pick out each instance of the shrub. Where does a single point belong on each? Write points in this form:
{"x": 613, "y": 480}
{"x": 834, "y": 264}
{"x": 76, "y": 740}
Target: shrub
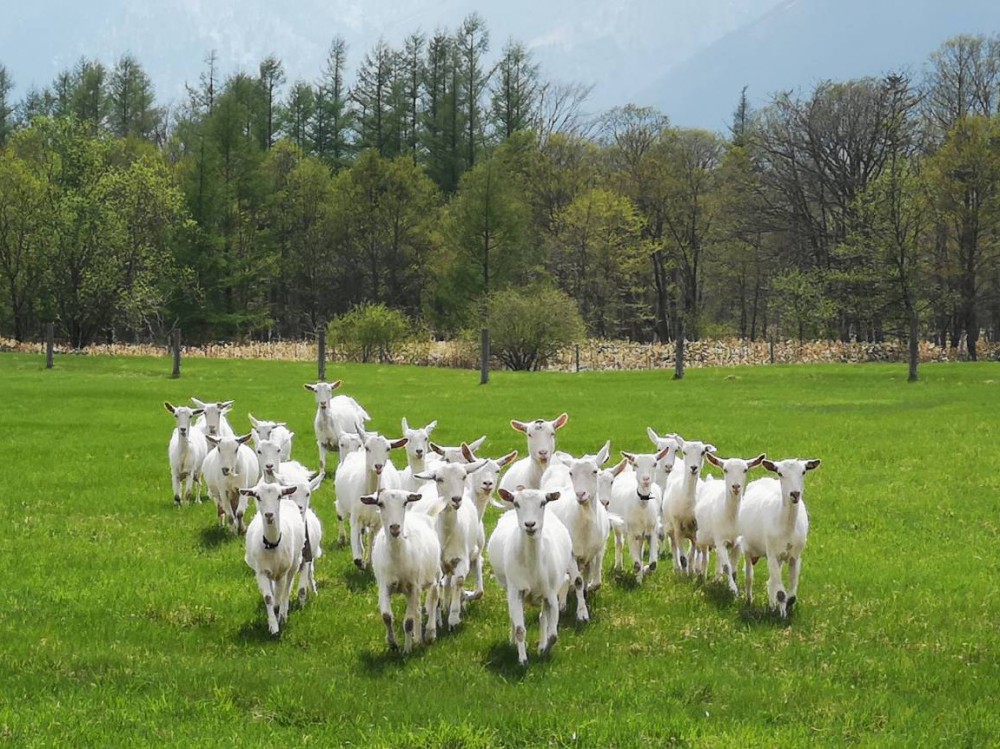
{"x": 369, "y": 330}
{"x": 528, "y": 326}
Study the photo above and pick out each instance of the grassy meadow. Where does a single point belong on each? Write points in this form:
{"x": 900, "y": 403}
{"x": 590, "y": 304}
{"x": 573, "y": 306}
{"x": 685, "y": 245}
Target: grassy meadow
{"x": 128, "y": 621}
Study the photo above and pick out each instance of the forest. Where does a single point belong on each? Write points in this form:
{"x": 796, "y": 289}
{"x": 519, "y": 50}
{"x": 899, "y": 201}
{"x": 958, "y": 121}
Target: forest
{"x": 449, "y": 173}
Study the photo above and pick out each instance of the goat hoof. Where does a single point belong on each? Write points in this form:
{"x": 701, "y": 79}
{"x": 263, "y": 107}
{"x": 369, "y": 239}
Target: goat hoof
{"x": 652, "y": 565}
{"x": 780, "y": 596}
{"x": 684, "y": 562}
{"x": 177, "y": 500}
{"x": 791, "y": 602}
{"x": 359, "y": 564}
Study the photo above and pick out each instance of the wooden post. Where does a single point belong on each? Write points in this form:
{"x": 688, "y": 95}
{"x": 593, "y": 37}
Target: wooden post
{"x": 484, "y": 358}
{"x": 771, "y": 346}
{"x": 321, "y": 354}
{"x": 578, "y": 357}
{"x": 175, "y": 344}
{"x": 50, "y": 334}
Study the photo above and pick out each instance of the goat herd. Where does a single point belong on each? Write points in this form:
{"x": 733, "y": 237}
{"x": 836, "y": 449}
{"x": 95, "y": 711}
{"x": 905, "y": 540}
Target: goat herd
{"x": 427, "y": 519}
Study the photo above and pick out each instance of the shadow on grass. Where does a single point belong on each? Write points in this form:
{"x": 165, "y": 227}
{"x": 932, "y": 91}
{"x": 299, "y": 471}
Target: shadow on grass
{"x": 764, "y": 616}
{"x": 625, "y": 579}
{"x": 377, "y": 662}
{"x": 718, "y": 594}
{"x": 502, "y": 661}
{"x": 255, "y": 632}
{"x": 357, "y": 580}
{"x": 215, "y": 536}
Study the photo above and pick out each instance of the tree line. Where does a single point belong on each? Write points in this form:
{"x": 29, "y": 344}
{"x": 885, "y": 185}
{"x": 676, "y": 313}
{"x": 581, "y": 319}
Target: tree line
{"x": 441, "y": 175}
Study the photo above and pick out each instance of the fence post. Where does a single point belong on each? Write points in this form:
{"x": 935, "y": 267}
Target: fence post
{"x": 771, "y": 346}
{"x": 175, "y": 344}
{"x": 321, "y": 354}
{"x": 50, "y": 334}
{"x": 484, "y": 358}
{"x": 578, "y": 357}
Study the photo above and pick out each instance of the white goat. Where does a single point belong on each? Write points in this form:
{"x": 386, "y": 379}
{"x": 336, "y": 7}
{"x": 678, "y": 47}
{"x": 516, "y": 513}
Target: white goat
{"x": 678, "y": 519}
{"x": 186, "y": 453}
{"x": 483, "y": 480}
{"x": 461, "y": 534}
{"x": 532, "y": 557}
{"x": 213, "y": 420}
{"x": 334, "y": 416}
{"x": 664, "y": 466}
{"x": 717, "y": 514}
{"x": 406, "y": 558}
{"x": 312, "y": 549}
{"x": 456, "y": 454}
{"x": 635, "y": 498}
{"x": 348, "y": 443}
{"x": 274, "y": 543}
{"x": 774, "y": 523}
{"x": 541, "y": 435}
{"x": 581, "y": 511}
{"x": 276, "y": 431}
{"x": 274, "y": 470}
{"x": 231, "y": 466}
{"x": 364, "y": 473}
{"x": 418, "y": 445}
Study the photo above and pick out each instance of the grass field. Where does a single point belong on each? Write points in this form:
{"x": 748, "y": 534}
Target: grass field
{"x": 128, "y": 621}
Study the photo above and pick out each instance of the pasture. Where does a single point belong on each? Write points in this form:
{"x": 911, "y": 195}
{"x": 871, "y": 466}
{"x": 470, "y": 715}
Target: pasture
{"x": 127, "y": 620}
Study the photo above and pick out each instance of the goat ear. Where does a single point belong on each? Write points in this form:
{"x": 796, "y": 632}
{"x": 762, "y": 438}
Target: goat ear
{"x": 245, "y": 438}
{"x": 315, "y": 480}
{"x": 604, "y": 453}
{"x": 398, "y": 443}
{"x": 506, "y": 496}
{"x": 551, "y": 497}
{"x": 519, "y": 426}
{"x": 477, "y": 443}
{"x": 812, "y": 464}
{"x": 198, "y": 412}
{"x": 253, "y": 422}
{"x": 663, "y": 453}
{"x": 474, "y": 465}
{"x": 288, "y": 490}
{"x": 755, "y": 462}
{"x": 561, "y": 420}
{"x": 310, "y": 387}
{"x": 619, "y": 468}
{"x": 718, "y": 463}
{"x": 405, "y": 425}
{"x": 369, "y": 499}
{"x": 413, "y": 498}
{"x": 431, "y": 427}
{"x": 630, "y": 457}
{"x": 708, "y": 449}
{"x": 200, "y": 404}
{"x": 424, "y": 476}
{"x": 212, "y": 439}
{"x": 769, "y": 465}
{"x": 653, "y": 436}
{"x": 225, "y": 405}
{"x": 169, "y": 407}
{"x": 336, "y": 384}
{"x": 437, "y": 448}
{"x": 467, "y": 453}
{"x": 249, "y": 492}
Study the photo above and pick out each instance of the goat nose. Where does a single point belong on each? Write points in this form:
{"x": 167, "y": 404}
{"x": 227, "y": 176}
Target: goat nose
{"x": 419, "y": 453}
{"x": 269, "y": 516}
{"x": 394, "y": 529}
{"x": 529, "y": 524}
{"x": 694, "y": 470}
{"x": 225, "y": 471}
{"x": 269, "y": 467}
{"x": 736, "y": 488}
{"x": 796, "y": 495}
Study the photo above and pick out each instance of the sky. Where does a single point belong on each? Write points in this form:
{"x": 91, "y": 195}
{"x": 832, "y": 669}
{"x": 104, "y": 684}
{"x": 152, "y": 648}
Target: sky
{"x": 688, "y": 58}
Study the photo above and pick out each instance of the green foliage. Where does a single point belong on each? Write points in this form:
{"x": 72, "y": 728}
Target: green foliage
{"x": 370, "y": 332}
{"x": 527, "y": 326}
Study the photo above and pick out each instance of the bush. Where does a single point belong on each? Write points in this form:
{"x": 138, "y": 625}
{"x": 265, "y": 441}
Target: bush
{"x": 369, "y": 330}
{"x": 529, "y": 326}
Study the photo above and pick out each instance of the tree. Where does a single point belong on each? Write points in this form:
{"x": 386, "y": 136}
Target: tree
{"x": 372, "y": 97}
{"x": 272, "y": 75}
{"x": 332, "y": 119}
{"x": 89, "y": 101}
{"x": 6, "y": 106}
{"x": 296, "y": 114}
{"x": 442, "y": 117}
{"x": 472, "y": 42}
{"x": 514, "y": 91}
{"x": 130, "y": 95}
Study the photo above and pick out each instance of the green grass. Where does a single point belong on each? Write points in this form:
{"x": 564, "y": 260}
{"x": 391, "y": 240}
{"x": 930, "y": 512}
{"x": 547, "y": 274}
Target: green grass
{"x": 126, "y": 620}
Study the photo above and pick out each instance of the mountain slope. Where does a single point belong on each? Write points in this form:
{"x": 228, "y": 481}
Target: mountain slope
{"x": 804, "y": 41}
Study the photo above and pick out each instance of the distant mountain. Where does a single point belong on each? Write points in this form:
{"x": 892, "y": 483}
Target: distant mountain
{"x": 689, "y": 58}
{"x": 802, "y": 42}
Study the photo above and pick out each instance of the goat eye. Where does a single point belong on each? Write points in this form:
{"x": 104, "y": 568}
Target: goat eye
{"x": 780, "y": 474}
{"x": 517, "y": 505}
{"x": 440, "y": 481}
{"x": 595, "y": 473}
